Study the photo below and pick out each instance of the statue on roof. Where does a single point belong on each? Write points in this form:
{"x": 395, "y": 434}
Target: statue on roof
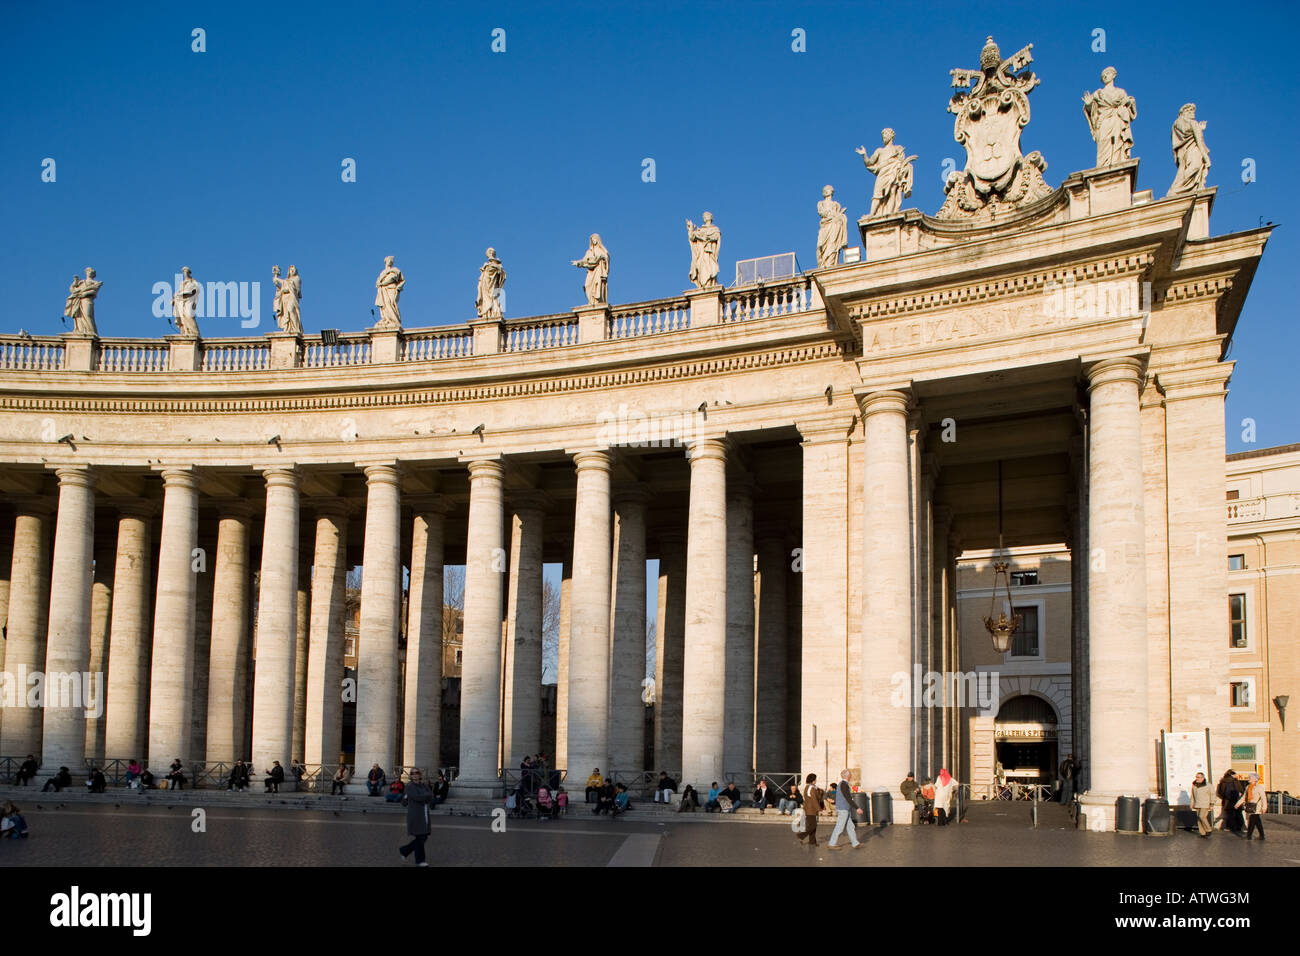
{"x": 1110, "y": 112}
{"x": 893, "y": 169}
{"x": 1190, "y": 152}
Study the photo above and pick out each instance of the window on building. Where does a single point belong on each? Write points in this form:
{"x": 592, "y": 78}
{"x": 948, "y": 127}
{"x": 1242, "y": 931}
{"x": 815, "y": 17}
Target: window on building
{"x": 1237, "y": 620}
{"x": 458, "y": 657}
{"x": 1243, "y": 693}
{"x": 1025, "y": 641}
{"x": 1021, "y": 578}
{"x": 1236, "y": 562}
{"x": 1234, "y": 495}
{"x": 350, "y": 647}
{"x": 1243, "y": 753}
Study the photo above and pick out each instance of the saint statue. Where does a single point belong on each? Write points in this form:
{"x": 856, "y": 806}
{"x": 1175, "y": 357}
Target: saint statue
{"x": 288, "y": 296}
{"x": 1190, "y": 152}
{"x": 596, "y": 262}
{"x": 491, "y": 284}
{"x": 893, "y": 169}
{"x": 1110, "y": 111}
{"x": 388, "y": 289}
{"x": 185, "y": 303}
{"x": 705, "y": 240}
{"x": 832, "y": 235}
{"x": 80, "y": 304}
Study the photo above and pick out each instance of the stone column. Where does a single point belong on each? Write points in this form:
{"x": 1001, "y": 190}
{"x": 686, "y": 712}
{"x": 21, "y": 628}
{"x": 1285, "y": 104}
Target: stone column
{"x": 628, "y": 630}
{"x": 523, "y": 678}
{"x": 886, "y": 650}
{"x": 562, "y": 665}
{"x": 942, "y": 719}
{"x": 323, "y": 733}
{"x": 204, "y": 598}
{"x": 297, "y": 747}
{"x": 126, "y": 714}
{"x": 27, "y": 626}
{"x": 422, "y": 736}
{"x": 1117, "y": 655}
{"x": 101, "y": 609}
{"x": 6, "y": 566}
{"x": 823, "y": 563}
{"x": 171, "y": 672}
{"x": 738, "y": 744}
{"x": 704, "y": 667}
{"x": 277, "y": 624}
{"x": 231, "y": 650}
{"x": 480, "y": 683}
{"x": 771, "y": 688}
{"x": 670, "y": 650}
{"x": 381, "y": 606}
{"x": 589, "y": 643}
{"x": 67, "y": 653}
{"x": 924, "y": 719}
{"x": 955, "y": 722}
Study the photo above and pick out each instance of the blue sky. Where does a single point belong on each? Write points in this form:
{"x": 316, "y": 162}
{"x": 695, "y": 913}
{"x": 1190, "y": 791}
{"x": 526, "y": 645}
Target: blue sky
{"x": 228, "y": 161}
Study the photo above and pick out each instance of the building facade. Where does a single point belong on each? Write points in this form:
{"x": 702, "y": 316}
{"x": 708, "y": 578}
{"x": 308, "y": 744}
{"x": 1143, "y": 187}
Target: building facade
{"x": 1028, "y": 366}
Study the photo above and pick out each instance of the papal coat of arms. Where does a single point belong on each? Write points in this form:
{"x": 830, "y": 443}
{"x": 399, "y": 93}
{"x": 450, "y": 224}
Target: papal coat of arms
{"x": 992, "y": 107}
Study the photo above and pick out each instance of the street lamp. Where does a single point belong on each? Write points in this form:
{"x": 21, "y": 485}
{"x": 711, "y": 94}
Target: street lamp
{"x": 1001, "y": 628}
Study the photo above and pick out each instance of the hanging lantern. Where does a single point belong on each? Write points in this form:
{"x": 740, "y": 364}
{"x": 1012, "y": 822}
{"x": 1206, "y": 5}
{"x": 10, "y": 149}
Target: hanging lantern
{"x": 1002, "y": 628}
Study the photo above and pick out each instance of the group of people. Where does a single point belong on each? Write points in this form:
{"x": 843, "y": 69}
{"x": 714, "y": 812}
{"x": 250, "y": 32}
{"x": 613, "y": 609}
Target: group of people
{"x": 932, "y": 799}
{"x": 1242, "y": 802}
{"x": 12, "y": 824}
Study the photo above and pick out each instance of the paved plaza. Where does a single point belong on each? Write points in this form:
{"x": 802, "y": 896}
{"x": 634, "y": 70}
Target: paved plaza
{"x": 126, "y": 833}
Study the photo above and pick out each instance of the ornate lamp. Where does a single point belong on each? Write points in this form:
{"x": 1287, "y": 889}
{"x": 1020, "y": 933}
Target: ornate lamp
{"x": 1001, "y": 628}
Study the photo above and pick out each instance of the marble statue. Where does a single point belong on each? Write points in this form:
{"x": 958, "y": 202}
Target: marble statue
{"x": 491, "y": 283}
{"x": 288, "y": 298}
{"x": 1110, "y": 111}
{"x": 992, "y": 107}
{"x": 833, "y": 234}
{"x": 596, "y": 262}
{"x": 185, "y": 304}
{"x": 893, "y": 169}
{"x": 1190, "y": 152}
{"x": 80, "y": 304}
{"x": 705, "y": 240}
{"x": 388, "y": 289}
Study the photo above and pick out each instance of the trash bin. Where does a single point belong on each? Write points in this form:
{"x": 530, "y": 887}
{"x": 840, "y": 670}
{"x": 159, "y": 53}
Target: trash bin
{"x": 1155, "y": 813}
{"x": 882, "y": 808}
{"x": 1127, "y": 815}
{"x": 863, "y": 801}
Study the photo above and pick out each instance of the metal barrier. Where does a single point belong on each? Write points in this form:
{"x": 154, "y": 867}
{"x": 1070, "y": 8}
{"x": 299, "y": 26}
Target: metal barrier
{"x": 531, "y": 780}
{"x": 1011, "y": 790}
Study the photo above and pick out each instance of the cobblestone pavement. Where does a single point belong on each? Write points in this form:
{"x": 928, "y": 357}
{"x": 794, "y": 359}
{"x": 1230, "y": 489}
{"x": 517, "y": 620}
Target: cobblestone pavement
{"x": 83, "y": 834}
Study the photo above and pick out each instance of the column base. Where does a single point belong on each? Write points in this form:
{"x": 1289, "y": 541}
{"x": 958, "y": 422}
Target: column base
{"x": 1097, "y": 813}
{"x": 476, "y": 789}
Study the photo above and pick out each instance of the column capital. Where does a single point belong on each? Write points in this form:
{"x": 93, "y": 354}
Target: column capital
{"x": 837, "y": 428}
{"x": 82, "y": 476}
{"x": 232, "y": 508}
{"x": 895, "y": 401}
{"x": 942, "y": 517}
{"x": 331, "y": 507}
{"x": 632, "y": 493}
{"x": 700, "y": 449}
{"x": 594, "y": 459}
{"x": 529, "y": 500}
{"x": 1126, "y": 369}
{"x": 485, "y": 468}
{"x": 34, "y": 505}
{"x": 740, "y": 488}
{"x": 281, "y": 476}
{"x": 382, "y": 473}
{"x": 134, "y": 507}
{"x": 771, "y": 531}
{"x": 431, "y": 504}
{"x": 177, "y": 476}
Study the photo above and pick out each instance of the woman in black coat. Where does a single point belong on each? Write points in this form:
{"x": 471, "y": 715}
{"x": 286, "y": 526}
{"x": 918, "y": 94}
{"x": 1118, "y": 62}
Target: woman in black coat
{"x": 1228, "y": 793}
{"x": 417, "y": 798}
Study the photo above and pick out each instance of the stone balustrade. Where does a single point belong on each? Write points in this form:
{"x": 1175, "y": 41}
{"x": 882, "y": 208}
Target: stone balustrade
{"x": 1266, "y": 508}
{"x": 254, "y": 354}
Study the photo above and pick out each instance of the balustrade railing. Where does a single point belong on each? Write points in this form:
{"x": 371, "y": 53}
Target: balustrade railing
{"x": 141, "y": 355}
{"x": 422, "y": 345}
{"x": 236, "y": 355}
{"x": 28, "y": 353}
{"x": 649, "y": 318}
{"x": 765, "y": 301}
{"x": 1245, "y": 509}
{"x": 548, "y": 332}
{"x": 346, "y": 350}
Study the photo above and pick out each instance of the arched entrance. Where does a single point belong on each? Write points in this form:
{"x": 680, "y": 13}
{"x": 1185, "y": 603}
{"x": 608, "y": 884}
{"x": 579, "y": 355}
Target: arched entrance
{"x": 1025, "y": 736}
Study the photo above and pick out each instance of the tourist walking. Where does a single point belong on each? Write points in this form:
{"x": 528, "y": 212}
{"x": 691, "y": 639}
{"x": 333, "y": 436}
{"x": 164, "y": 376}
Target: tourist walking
{"x": 943, "y": 788}
{"x": 844, "y": 813}
{"x": 812, "y": 805}
{"x": 1069, "y": 772}
{"x": 1254, "y": 802}
{"x": 1202, "y": 803}
{"x": 416, "y": 798}
{"x": 1229, "y": 793}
